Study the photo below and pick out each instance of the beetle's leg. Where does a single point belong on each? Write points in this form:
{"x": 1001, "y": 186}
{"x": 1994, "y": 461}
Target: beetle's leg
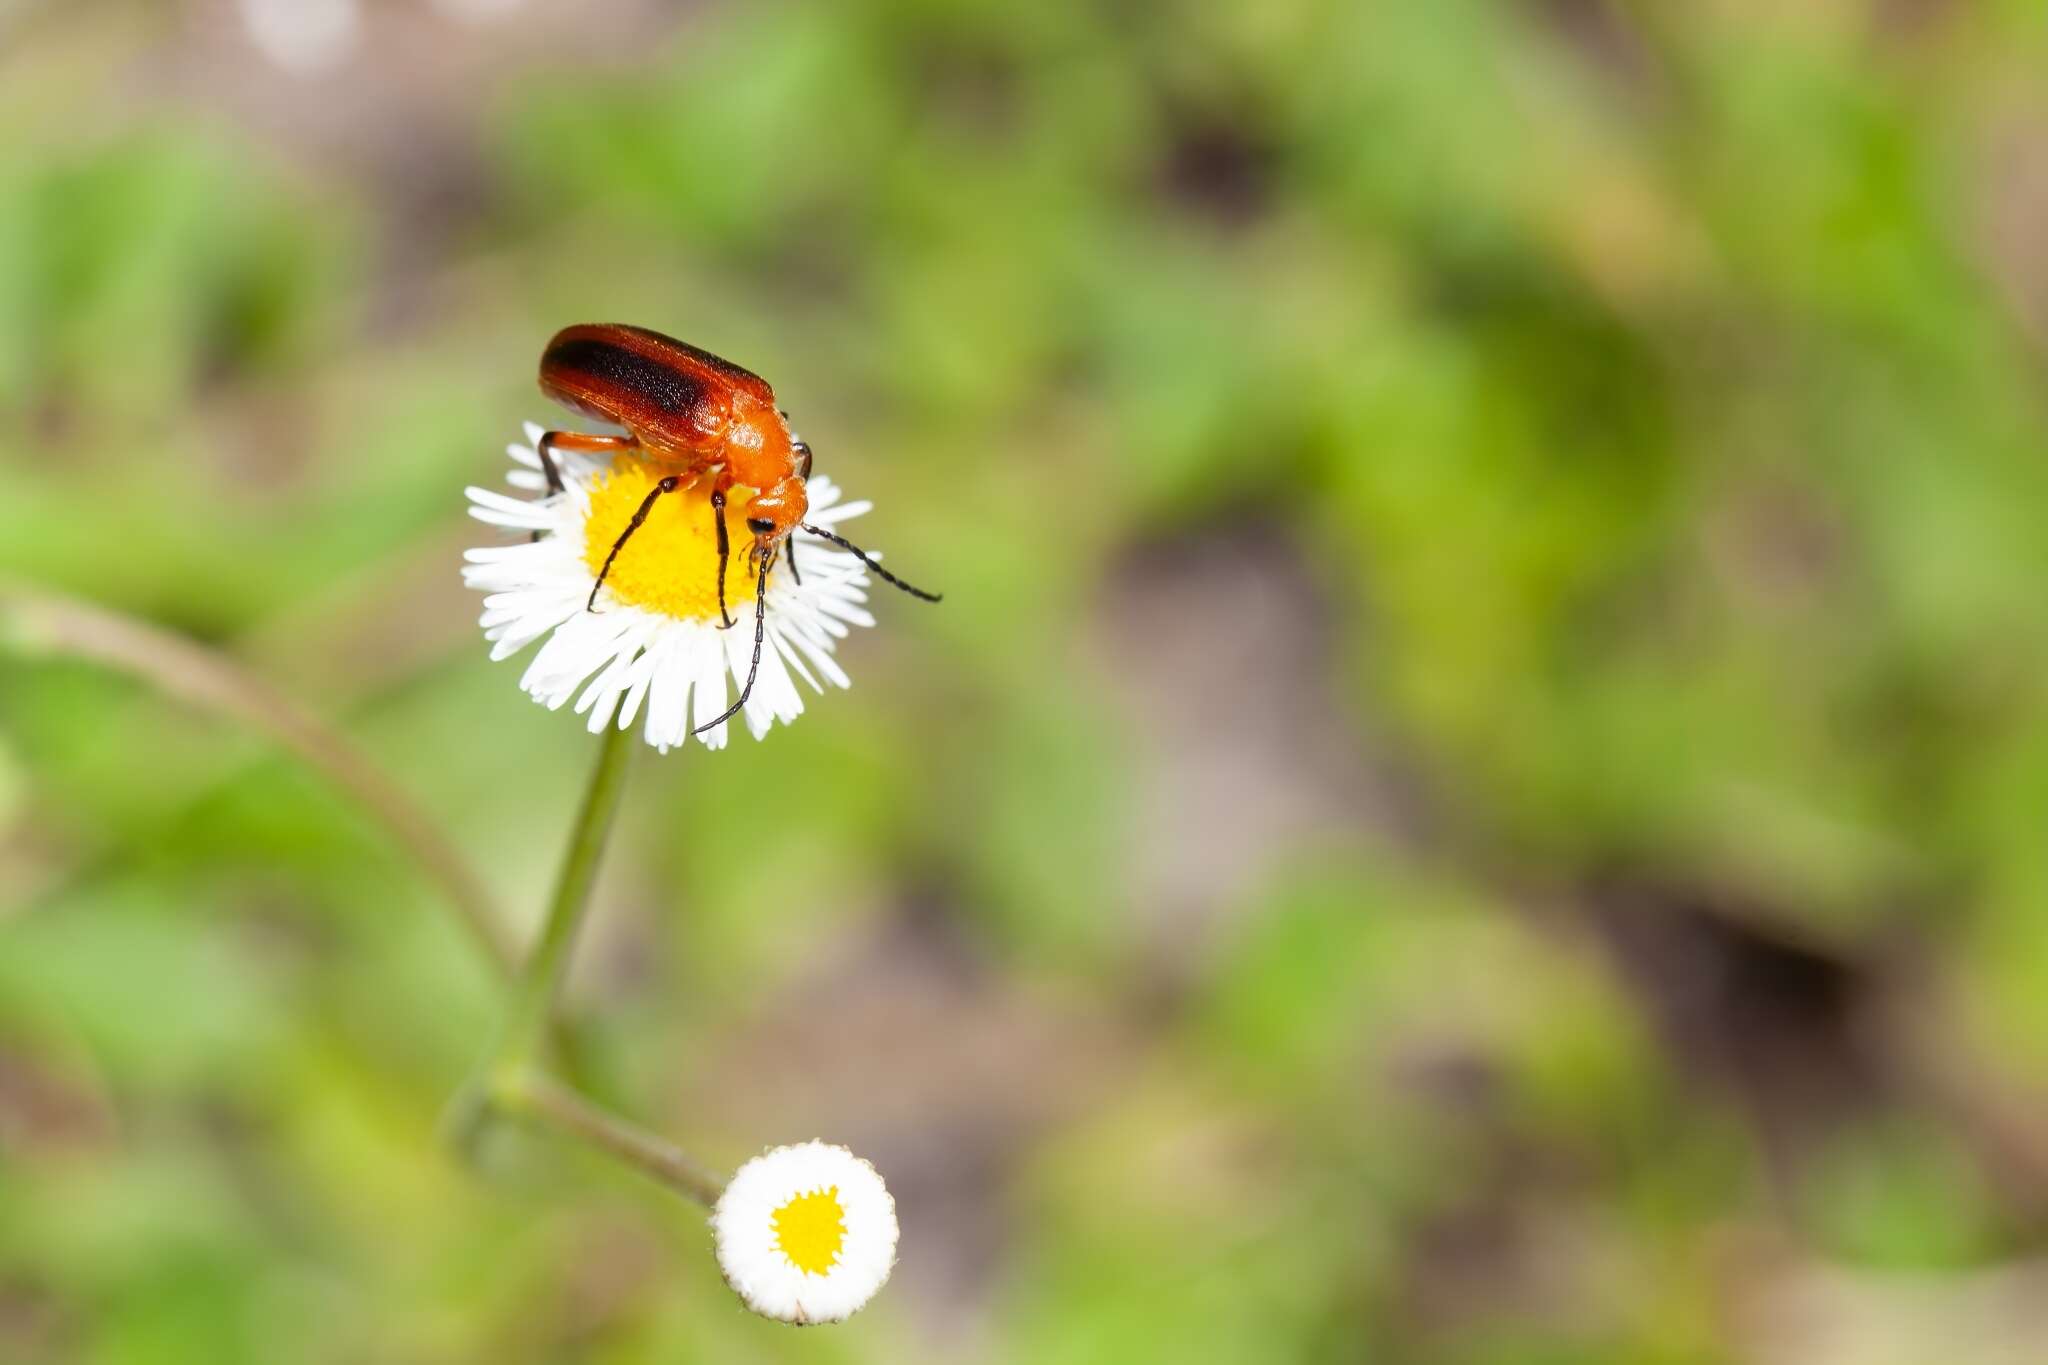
{"x": 753, "y": 669}
{"x": 545, "y": 448}
{"x": 572, "y": 440}
{"x": 667, "y": 485}
{"x": 724, "y": 552}
{"x": 789, "y": 548}
{"x": 583, "y": 441}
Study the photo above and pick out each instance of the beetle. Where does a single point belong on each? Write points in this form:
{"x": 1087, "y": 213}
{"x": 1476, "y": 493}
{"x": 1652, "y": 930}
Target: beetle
{"x": 688, "y": 414}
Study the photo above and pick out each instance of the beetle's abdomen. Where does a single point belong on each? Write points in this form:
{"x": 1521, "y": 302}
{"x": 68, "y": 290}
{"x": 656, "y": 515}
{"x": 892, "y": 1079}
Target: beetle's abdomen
{"x": 621, "y": 375}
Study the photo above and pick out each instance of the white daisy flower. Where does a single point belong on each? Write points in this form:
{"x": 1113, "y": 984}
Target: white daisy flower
{"x": 654, "y": 641}
{"x": 806, "y": 1234}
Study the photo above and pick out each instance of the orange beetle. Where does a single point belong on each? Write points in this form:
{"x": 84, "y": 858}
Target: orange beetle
{"x": 688, "y": 413}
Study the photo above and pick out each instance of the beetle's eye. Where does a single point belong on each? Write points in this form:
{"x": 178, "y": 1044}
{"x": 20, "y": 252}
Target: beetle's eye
{"x": 760, "y": 526}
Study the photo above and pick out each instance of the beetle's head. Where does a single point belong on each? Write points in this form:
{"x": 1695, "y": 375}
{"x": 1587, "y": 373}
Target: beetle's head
{"x": 775, "y": 512}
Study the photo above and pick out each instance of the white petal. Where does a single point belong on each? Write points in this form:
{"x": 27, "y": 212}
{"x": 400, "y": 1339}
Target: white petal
{"x": 711, "y": 695}
{"x": 668, "y": 697}
{"x": 845, "y": 511}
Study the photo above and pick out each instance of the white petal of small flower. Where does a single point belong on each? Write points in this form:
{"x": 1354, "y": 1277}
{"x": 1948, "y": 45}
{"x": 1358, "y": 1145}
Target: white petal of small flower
{"x": 623, "y": 660}
{"x": 750, "y": 1246}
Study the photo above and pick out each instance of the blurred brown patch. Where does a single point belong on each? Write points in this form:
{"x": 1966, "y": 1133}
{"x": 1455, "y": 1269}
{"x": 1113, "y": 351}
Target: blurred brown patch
{"x": 965, "y": 83}
{"x": 1527, "y": 1257}
{"x": 1609, "y": 40}
{"x": 45, "y": 1108}
{"x": 1218, "y": 649}
{"x": 1812, "y": 1039}
{"x": 1218, "y": 163}
{"x": 34, "y": 854}
{"x": 33, "y": 1326}
{"x": 1778, "y": 1023}
{"x": 1779, "y": 543}
{"x": 1910, "y": 21}
{"x": 2012, "y": 217}
{"x": 1525, "y": 1240}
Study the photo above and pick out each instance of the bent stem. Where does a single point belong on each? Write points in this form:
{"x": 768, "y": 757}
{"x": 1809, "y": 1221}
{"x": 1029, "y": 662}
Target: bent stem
{"x": 532, "y": 1096}
{"x": 36, "y": 620}
{"x": 46, "y": 622}
{"x": 507, "y": 1082}
{"x": 540, "y": 979}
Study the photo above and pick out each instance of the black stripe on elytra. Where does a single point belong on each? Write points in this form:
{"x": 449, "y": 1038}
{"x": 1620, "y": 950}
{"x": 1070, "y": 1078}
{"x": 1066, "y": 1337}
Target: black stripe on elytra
{"x": 737, "y": 373}
{"x": 664, "y": 386}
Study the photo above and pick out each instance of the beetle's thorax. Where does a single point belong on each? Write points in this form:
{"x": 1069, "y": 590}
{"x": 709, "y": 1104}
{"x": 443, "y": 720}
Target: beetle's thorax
{"x": 757, "y": 450}
{"x": 761, "y": 455}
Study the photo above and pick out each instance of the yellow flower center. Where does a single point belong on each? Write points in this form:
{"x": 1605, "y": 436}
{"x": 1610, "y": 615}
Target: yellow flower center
{"x": 810, "y": 1230}
{"x": 670, "y": 564}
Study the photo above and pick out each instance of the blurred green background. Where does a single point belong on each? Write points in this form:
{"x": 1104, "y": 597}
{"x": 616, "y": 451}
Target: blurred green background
{"x": 1477, "y": 796}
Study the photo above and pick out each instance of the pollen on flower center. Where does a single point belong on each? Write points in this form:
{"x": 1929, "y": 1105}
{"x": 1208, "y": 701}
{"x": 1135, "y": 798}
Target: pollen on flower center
{"x": 810, "y": 1229}
{"x": 670, "y": 565}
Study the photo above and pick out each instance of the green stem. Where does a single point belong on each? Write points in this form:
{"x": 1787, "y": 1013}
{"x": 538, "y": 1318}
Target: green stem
{"x": 533, "y": 1096}
{"x": 540, "y": 979}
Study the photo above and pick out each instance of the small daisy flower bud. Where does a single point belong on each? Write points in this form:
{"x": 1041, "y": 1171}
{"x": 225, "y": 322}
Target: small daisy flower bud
{"x": 806, "y": 1234}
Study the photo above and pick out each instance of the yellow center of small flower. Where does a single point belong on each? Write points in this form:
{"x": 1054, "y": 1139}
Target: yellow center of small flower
{"x": 669, "y": 565}
{"x": 810, "y": 1230}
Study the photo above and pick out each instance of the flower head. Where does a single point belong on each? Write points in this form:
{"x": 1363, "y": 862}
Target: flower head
{"x": 806, "y": 1234}
{"x": 656, "y": 639}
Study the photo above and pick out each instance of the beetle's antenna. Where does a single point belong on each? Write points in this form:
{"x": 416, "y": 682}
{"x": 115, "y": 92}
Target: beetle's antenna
{"x": 753, "y": 669}
{"x": 667, "y": 485}
{"x": 862, "y": 555}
